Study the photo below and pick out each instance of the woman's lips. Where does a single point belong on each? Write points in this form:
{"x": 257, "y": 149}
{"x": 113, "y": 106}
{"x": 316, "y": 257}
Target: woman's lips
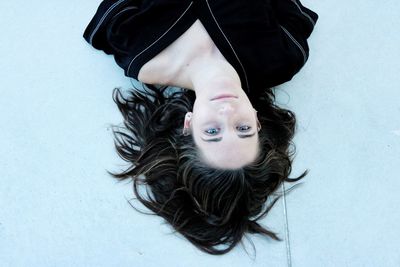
{"x": 223, "y": 96}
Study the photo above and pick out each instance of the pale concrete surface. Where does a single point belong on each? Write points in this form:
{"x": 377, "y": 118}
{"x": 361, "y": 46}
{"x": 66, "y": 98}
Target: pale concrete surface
{"x": 347, "y": 100}
{"x": 60, "y": 208}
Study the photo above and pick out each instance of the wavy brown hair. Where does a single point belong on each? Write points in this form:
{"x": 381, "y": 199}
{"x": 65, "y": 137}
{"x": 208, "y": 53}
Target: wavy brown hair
{"x": 212, "y": 208}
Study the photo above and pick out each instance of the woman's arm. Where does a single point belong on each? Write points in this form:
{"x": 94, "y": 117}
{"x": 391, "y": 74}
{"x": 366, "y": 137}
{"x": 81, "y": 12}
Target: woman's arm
{"x": 294, "y": 16}
{"x": 296, "y": 22}
{"x": 96, "y": 32}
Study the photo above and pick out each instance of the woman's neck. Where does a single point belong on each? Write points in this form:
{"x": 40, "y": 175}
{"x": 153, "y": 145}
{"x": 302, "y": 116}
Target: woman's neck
{"x": 210, "y": 75}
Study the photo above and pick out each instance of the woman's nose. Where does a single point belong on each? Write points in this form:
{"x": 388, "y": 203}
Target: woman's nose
{"x": 226, "y": 110}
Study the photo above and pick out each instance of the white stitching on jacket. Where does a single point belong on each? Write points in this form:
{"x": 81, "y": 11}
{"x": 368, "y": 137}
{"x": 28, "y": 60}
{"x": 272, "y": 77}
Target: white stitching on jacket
{"x": 297, "y": 43}
{"x": 244, "y": 71}
{"x": 129, "y": 66}
{"x": 305, "y": 14}
{"x": 126, "y": 9}
{"x": 103, "y": 18}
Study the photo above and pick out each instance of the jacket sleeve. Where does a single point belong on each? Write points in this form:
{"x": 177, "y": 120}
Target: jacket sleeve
{"x": 96, "y": 33}
{"x": 297, "y": 23}
{"x": 298, "y": 19}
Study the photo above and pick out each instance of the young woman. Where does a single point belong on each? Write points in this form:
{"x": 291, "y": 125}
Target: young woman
{"x": 214, "y": 153}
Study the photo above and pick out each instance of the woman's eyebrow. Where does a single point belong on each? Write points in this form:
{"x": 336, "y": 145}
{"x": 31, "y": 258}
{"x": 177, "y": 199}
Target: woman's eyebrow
{"x": 218, "y": 139}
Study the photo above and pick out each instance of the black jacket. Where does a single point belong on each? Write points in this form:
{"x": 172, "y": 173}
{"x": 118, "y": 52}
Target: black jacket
{"x": 264, "y": 40}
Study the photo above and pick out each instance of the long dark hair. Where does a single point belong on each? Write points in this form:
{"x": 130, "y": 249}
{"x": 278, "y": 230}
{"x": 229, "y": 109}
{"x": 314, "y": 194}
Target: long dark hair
{"x": 210, "y": 207}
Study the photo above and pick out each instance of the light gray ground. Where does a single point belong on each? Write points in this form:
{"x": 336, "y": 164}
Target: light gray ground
{"x": 59, "y": 207}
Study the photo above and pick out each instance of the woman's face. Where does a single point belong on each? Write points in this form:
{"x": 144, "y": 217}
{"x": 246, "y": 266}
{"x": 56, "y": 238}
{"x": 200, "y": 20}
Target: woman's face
{"x": 225, "y": 130}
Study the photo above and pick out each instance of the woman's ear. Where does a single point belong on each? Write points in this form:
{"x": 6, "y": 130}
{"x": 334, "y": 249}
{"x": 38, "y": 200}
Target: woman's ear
{"x": 187, "y": 123}
{"x": 258, "y": 122}
{"x": 258, "y": 125}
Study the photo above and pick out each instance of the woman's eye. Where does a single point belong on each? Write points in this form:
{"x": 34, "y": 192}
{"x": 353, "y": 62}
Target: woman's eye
{"x": 212, "y": 131}
{"x": 243, "y": 128}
